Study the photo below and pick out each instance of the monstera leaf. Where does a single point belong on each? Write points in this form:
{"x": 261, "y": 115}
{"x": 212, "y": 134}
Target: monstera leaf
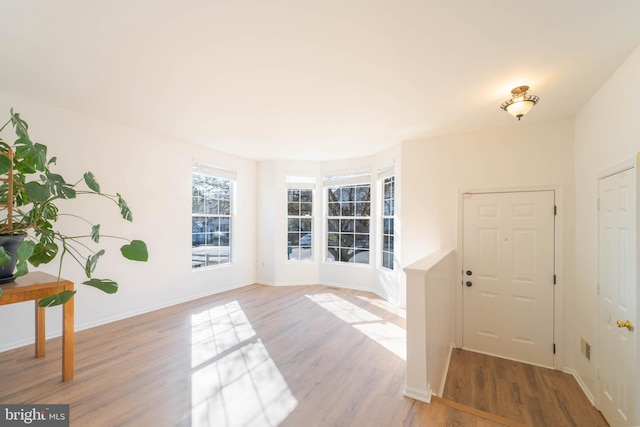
{"x": 135, "y": 251}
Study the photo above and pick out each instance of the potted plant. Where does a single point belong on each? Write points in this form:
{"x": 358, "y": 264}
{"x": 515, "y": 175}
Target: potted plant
{"x": 29, "y": 190}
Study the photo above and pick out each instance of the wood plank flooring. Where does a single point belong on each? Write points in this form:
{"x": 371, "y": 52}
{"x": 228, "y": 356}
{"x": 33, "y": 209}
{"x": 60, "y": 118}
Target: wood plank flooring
{"x": 529, "y": 394}
{"x": 255, "y": 356}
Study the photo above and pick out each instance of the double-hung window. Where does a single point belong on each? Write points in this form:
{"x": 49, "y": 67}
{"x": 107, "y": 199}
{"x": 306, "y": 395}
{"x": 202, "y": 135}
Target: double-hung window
{"x": 388, "y": 212}
{"x": 348, "y": 221}
{"x": 211, "y": 216}
{"x": 300, "y": 218}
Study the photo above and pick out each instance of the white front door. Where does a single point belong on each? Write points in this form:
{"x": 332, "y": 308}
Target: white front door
{"x": 508, "y": 275}
{"x": 617, "y": 298}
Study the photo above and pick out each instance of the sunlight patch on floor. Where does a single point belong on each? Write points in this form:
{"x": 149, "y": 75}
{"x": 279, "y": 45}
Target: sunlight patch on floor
{"x": 398, "y": 311}
{"x": 389, "y": 335}
{"x": 235, "y": 382}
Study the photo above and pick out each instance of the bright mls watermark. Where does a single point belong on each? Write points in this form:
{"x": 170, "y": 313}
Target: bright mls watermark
{"x": 34, "y": 415}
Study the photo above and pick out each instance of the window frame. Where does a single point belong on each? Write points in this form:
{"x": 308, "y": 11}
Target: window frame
{"x": 300, "y": 218}
{"x": 222, "y": 223}
{"x": 341, "y": 229}
{"x": 387, "y": 216}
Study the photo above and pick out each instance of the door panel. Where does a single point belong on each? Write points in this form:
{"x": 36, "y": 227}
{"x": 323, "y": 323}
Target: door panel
{"x": 508, "y": 245}
{"x": 617, "y": 298}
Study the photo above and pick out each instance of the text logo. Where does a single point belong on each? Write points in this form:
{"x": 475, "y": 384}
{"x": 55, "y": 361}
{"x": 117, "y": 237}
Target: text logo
{"x": 34, "y": 415}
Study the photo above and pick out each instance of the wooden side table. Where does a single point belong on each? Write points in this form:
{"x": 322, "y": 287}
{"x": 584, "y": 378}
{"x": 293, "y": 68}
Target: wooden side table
{"x": 37, "y": 285}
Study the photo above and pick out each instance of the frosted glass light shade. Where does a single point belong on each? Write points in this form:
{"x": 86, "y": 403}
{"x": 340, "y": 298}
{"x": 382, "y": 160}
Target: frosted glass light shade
{"x": 520, "y": 108}
{"x": 520, "y": 103}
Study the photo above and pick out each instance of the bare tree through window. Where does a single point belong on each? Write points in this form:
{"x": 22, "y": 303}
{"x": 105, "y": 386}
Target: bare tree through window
{"x": 348, "y": 223}
{"x": 210, "y": 220}
{"x": 299, "y": 224}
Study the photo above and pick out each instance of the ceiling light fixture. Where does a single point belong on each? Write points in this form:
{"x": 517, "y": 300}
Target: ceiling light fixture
{"x": 520, "y": 103}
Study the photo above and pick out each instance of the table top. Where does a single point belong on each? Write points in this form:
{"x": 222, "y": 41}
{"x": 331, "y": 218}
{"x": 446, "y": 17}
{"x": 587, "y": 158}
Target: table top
{"x": 32, "y": 281}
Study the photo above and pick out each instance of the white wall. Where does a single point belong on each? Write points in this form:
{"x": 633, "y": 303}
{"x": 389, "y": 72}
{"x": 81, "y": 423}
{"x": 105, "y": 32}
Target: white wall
{"x": 153, "y": 174}
{"x": 266, "y": 223}
{"x": 607, "y": 132}
{"x": 430, "y": 323}
{"x": 436, "y": 170}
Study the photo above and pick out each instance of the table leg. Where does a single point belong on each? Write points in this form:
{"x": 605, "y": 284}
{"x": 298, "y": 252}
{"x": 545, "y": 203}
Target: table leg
{"x": 67, "y": 339}
{"x": 40, "y": 333}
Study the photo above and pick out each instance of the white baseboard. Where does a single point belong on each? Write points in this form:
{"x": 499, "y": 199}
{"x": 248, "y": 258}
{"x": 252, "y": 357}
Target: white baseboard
{"x": 377, "y": 292}
{"x": 281, "y": 283}
{"x": 581, "y": 383}
{"x": 419, "y": 395}
{"x": 443, "y": 380}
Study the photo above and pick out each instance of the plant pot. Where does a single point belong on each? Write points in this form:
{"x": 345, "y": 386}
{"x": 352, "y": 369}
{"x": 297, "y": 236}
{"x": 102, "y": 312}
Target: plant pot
{"x": 10, "y": 245}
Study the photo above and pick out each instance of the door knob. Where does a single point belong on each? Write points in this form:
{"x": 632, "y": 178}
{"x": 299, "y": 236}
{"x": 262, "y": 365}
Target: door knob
{"x": 627, "y": 324}
{"x": 469, "y": 273}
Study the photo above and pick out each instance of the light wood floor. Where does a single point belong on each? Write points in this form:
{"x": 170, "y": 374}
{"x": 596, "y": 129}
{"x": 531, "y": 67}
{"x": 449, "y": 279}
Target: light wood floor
{"x": 256, "y": 356}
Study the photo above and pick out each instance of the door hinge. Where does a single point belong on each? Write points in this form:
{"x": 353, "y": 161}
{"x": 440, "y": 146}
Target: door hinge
{"x": 555, "y": 210}
{"x": 554, "y": 279}
{"x": 554, "y": 348}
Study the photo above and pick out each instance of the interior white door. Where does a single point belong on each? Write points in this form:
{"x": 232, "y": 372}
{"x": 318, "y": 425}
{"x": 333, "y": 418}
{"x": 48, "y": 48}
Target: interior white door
{"x": 617, "y": 298}
{"x": 508, "y": 275}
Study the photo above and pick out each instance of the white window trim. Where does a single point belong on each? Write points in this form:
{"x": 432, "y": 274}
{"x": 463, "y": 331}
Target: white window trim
{"x": 230, "y": 175}
{"x": 357, "y": 177}
{"x": 385, "y": 172}
{"x": 382, "y": 177}
{"x": 215, "y": 171}
{"x": 347, "y": 180}
{"x": 295, "y": 186}
{"x": 301, "y": 182}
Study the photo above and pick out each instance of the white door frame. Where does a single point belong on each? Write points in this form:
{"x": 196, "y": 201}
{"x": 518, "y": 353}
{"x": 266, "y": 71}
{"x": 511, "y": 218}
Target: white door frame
{"x": 632, "y": 163}
{"x": 558, "y": 306}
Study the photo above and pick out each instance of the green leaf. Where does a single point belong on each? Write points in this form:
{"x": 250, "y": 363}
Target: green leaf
{"x": 95, "y": 233}
{"x": 20, "y": 125}
{"x": 124, "y": 209}
{"x": 49, "y": 212}
{"x": 67, "y": 192}
{"x": 22, "y": 268}
{"x": 105, "y": 285}
{"x": 56, "y": 299}
{"x": 37, "y": 192}
{"x": 43, "y": 253}
{"x": 39, "y": 156}
{"x": 135, "y": 251}
{"x": 58, "y": 186}
{"x": 25, "y": 250}
{"x": 92, "y": 261}
{"x": 30, "y": 157}
{"x": 24, "y": 167}
{"x": 91, "y": 182}
{"x": 5, "y": 164}
{"x": 4, "y": 256}
{"x": 54, "y": 178}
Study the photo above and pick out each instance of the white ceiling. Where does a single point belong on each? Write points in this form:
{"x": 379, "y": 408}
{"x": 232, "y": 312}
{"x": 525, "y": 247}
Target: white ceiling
{"x": 301, "y": 79}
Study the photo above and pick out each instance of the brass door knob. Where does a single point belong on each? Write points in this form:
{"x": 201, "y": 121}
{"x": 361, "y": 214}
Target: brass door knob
{"x": 627, "y": 324}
